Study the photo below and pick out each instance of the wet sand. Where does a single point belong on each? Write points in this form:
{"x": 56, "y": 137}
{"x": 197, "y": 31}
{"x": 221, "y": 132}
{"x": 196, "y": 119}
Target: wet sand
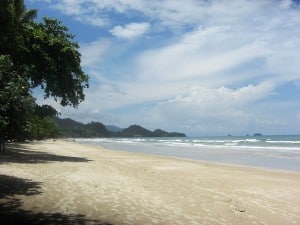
{"x": 60, "y": 182}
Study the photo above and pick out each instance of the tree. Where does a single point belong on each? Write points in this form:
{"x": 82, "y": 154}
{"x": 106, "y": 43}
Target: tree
{"x": 45, "y": 111}
{"x": 43, "y": 127}
{"x": 13, "y": 17}
{"x": 16, "y": 102}
{"x": 52, "y": 60}
{"x": 42, "y": 124}
{"x": 43, "y": 52}
{"x": 34, "y": 54}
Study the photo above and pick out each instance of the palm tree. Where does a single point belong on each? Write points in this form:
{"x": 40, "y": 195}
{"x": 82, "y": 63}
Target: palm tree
{"x": 13, "y": 17}
{"x": 21, "y": 13}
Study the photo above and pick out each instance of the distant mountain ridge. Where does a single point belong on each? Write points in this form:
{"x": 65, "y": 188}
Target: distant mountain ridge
{"x": 113, "y": 128}
{"x": 72, "y": 128}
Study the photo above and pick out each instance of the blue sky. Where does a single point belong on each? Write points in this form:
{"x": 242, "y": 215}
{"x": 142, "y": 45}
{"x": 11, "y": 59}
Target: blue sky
{"x": 203, "y": 67}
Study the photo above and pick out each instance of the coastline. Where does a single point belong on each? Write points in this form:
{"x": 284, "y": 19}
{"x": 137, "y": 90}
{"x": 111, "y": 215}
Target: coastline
{"x": 84, "y": 184}
{"x": 271, "y": 152}
{"x": 186, "y": 158}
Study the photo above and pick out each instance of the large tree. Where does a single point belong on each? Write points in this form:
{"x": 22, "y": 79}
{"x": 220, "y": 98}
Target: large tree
{"x": 16, "y": 103}
{"x": 40, "y": 53}
{"x": 43, "y": 51}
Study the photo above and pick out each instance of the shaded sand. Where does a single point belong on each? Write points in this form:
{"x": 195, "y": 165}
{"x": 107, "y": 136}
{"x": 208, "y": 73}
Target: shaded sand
{"x": 59, "y": 182}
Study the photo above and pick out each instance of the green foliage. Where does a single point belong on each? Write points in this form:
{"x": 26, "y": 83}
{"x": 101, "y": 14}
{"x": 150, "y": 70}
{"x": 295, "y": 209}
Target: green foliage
{"x": 43, "y": 127}
{"x": 13, "y": 19}
{"x": 17, "y": 104}
{"x": 35, "y": 54}
{"x": 42, "y": 124}
{"x": 52, "y": 60}
{"x": 44, "y": 52}
{"x": 45, "y": 111}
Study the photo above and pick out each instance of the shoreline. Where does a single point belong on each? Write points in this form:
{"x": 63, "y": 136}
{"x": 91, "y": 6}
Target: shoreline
{"x": 203, "y": 162}
{"x": 87, "y": 184}
{"x": 220, "y": 155}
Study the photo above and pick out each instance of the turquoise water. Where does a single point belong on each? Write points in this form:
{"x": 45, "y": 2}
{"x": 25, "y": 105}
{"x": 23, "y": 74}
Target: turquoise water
{"x": 280, "y": 152}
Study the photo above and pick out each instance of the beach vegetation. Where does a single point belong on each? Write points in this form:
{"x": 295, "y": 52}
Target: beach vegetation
{"x": 43, "y": 52}
{"x": 43, "y": 127}
{"x": 42, "y": 124}
{"x": 16, "y": 101}
{"x": 35, "y": 53}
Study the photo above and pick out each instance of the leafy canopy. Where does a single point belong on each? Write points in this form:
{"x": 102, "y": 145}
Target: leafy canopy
{"x": 35, "y": 53}
{"x": 43, "y": 52}
{"x": 16, "y": 102}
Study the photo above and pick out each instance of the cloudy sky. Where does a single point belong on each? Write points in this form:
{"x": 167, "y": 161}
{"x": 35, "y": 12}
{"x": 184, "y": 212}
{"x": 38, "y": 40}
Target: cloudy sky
{"x": 203, "y": 67}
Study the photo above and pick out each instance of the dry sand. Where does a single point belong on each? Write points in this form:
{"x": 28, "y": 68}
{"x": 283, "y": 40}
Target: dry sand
{"x": 59, "y": 182}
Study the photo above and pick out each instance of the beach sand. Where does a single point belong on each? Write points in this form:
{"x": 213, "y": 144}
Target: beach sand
{"x": 61, "y": 182}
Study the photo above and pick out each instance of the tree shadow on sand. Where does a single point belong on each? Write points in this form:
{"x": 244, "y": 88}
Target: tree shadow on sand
{"x": 18, "y": 153}
{"x": 11, "y": 213}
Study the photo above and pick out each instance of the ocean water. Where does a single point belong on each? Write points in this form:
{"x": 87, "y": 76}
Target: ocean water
{"x": 271, "y": 152}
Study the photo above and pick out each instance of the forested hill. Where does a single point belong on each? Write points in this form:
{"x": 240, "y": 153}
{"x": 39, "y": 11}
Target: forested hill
{"x": 72, "y": 128}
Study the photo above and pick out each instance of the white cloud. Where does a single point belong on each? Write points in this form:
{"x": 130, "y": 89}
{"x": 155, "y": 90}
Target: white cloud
{"x": 94, "y": 21}
{"x": 285, "y": 4}
{"x": 172, "y": 14}
{"x": 225, "y": 96}
{"x": 202, "y": 111}
{"x": 93, "y": 53}
{"x": 203, "y": 54}
{"x": 131, "y": 30}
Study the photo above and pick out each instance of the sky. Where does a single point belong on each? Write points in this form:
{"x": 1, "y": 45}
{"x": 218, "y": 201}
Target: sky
{"x": 202, "y": 67}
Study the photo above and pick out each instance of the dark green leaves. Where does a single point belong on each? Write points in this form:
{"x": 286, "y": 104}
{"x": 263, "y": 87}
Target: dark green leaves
{"x": 35, "y": 54}
{"x": 54, "y": 61}
{"x": 16, "y": 102}
{"x": 44, "y": 52}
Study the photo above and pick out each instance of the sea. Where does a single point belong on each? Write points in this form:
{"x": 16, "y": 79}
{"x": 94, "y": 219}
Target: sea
{"x": 280, "y": 152}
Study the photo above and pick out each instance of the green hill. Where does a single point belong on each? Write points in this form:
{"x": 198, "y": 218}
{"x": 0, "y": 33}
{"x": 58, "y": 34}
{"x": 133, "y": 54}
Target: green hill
{"x": 74, "y": 129}
{"x": 135, "y": 131}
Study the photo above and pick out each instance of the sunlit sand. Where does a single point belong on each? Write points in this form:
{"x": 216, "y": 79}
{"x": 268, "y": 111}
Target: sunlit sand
{"x": 69, "y": 183}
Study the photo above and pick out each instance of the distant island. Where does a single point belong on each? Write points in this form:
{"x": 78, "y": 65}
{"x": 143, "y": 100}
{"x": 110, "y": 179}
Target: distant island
{"x": 72, "y": 128}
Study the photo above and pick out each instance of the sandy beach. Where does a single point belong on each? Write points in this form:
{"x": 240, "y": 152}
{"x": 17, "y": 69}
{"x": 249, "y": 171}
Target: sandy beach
{"x": 60, "y": 182}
